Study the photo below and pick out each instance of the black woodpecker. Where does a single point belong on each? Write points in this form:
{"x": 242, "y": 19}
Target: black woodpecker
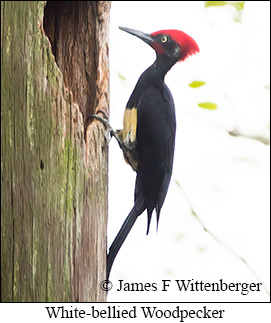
{"x": 148, "y": 135}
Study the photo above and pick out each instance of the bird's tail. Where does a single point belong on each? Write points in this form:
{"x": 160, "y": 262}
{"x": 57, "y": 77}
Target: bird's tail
{"x": 138, "y": 208}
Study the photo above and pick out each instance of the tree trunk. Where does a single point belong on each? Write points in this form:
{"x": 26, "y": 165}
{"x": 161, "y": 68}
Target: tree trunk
{"x": 54, "y": 75}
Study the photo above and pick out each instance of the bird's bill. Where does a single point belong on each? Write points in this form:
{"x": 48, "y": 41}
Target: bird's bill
{"x": 145, "y": 37}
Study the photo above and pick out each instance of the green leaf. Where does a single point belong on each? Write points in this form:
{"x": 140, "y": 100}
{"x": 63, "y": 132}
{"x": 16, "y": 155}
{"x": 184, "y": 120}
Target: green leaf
{"x": 196, "y": 84}
{"x": 121, "y": 77}
{"x": 207, "y": 105}
{"x": 237, "y": 5}
{"x": 215, "y": 3}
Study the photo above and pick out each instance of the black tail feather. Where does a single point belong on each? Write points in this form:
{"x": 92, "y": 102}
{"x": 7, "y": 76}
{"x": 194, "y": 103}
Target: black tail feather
{"x": 149, "y": 221}
{"x": 158, "y": 210}
{"x": 138, "y": 208}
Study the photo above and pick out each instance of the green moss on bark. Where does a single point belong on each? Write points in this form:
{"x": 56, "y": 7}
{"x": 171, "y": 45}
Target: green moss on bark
{"x": 46, "y": 199}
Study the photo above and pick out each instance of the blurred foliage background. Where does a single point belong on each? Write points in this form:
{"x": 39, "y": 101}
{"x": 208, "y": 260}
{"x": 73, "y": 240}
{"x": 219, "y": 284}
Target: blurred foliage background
{"x": 215, "y": 222}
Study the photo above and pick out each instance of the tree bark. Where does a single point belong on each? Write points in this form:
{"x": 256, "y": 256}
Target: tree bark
{"x": 54, "y": 75}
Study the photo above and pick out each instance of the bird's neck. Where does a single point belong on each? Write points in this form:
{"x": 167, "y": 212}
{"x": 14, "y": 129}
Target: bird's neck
{"x": 153, "y": 76}
{"x": 162, "y": 65}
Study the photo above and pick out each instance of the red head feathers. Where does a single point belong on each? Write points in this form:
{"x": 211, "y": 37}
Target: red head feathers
{"x": 187, "y": 44}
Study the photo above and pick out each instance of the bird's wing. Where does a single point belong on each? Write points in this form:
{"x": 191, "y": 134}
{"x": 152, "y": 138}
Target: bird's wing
{"x": 156, "y": 127}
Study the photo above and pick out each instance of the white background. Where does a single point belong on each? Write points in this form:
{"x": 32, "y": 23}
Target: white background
{"x": 226, "y": 179}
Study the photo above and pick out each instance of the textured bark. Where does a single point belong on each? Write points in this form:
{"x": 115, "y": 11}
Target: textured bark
{"x": 53, "y": 162}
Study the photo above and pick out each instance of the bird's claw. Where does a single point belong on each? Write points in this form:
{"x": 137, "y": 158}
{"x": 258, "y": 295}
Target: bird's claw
{"x": 107, "y": 136}
{"x": 109, "y": 130}
{"x": 109, "y": 133}
{"x": 102, "y": 120}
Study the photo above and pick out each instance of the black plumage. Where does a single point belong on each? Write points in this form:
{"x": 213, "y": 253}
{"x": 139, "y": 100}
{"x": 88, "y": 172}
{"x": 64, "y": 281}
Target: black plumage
{"x": 150, "y": 148}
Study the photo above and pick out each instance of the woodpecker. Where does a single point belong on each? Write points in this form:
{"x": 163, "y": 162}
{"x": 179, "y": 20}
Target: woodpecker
{"x": 149, "y": 125}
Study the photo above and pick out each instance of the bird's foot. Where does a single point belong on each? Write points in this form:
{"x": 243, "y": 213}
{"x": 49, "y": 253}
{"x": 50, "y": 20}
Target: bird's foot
{"x": 109, "y": 133}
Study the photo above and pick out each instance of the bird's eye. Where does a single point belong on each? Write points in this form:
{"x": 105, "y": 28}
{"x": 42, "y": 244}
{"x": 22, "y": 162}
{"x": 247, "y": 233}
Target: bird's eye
{"x": 163, "y": 39}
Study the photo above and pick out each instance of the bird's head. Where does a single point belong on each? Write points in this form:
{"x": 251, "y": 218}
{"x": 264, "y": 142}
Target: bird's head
{"x": 173, "y": 44}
